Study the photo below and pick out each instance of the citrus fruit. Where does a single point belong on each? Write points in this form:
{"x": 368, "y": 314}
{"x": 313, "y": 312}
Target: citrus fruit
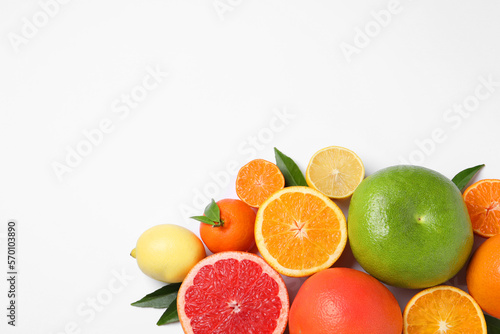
{"x": 335, "y": 171}
{"x": 300, "y": 231}
{"x": 235, "y": 233}
{"x": 441, "y": 310}
{"x": 344, "y": 300}
{"x": 233, "y": 292}
{"x": 483, "y": 203}
{"x": 483, "y": 276}
{"x": 257, "y": 180}
{"x": 409, "y": 227}
{"x": 167, "y": 252}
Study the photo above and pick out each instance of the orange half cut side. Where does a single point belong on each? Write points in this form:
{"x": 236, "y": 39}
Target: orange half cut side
{"x": 300, "y": 231}
{"x": 483, "y": 204}
{"x": 443, "y": 310}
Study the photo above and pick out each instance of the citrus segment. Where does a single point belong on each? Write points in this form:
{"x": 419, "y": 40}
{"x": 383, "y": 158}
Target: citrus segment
{"x": 233, "y": 292}
{"x": 299, "y": 231}
{"x": 335, "y": 171}
{"x": 443, "y": 309}
{"x": 483, "y": 203}
{"x": 257, "y": 180}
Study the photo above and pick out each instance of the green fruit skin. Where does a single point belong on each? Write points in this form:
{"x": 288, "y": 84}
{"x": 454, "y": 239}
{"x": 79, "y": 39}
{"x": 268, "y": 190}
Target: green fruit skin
{"x": 409, "y": 227}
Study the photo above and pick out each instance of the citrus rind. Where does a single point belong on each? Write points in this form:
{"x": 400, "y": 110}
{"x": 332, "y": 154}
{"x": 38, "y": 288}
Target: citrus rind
{"x": 335, "y": 171}
{"x": 293, "y": 248}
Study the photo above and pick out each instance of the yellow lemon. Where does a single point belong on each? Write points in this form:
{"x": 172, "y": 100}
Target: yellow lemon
{"x": 335, "y": 171}
{"x": 167, "y": 252}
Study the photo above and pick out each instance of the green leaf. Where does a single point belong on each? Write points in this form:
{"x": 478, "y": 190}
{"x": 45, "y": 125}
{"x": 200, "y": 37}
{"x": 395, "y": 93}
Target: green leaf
{"x": 493, "y": 324}
{"x": 170, "y": 315}
{"x": 463, "y": 178}
{"x": 212, "y": 211}
{"x": 161, "y": 298}
{"x": 289, "y": 169}
{"x": 203, "y": 219}
{"x": 211, "y": 215}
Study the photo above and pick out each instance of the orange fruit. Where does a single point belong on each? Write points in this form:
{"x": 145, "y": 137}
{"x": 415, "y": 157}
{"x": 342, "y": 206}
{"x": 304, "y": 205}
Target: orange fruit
{"x": 344, "y": 300}
{"x": 233, "y": 292}
{"x": 335, "y": 171}
{"x": 443, "y": 309}
{"x": 236, "y": 232}
{"x": 483, "y": 276}
{"x": 299, "y": 231}
{"x": 257, "y": 180}
{"x": 483, "y": 203}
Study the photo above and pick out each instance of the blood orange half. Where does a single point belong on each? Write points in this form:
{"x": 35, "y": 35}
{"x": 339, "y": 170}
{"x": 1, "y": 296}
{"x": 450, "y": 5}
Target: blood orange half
{"x": 233, "y": 292}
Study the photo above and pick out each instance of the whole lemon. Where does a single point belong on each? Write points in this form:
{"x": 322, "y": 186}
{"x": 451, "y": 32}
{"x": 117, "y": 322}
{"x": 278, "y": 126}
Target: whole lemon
{"x": 408, "y": 226}
{"x": 167, "y": 252}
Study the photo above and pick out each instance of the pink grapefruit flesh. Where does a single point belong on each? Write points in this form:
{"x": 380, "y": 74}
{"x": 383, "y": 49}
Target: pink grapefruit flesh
{"x": 233, "y": 292}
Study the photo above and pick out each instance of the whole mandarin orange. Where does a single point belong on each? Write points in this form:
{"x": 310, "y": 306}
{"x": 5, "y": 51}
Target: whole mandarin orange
{"x": 237, "y": 230}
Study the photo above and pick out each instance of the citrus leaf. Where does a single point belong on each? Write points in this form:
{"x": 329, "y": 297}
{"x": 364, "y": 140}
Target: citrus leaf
{"x": 463, "y": 178}
{"x": 212, "y": 211}
{"x": 170, "y": 315}
{"x": 211, "y": 215}
{"x": 160, "y": 298}
{"x": 289, "y": 169}
{"x": 203, "y": 219}
{"x": 493, "y": 324}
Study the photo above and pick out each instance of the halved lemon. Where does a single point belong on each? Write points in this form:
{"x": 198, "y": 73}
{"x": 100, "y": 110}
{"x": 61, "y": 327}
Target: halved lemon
{"x": 335, "y": 171}
{"x": 443, "y": 310}
{"x": 299, "y": 231}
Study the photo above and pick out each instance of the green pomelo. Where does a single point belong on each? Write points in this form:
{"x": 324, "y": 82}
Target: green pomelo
{"x": 408, "y": 226}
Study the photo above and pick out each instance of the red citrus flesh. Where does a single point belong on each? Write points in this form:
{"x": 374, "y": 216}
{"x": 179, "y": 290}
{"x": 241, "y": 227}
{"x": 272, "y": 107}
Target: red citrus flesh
{"x": 233, "y": 292}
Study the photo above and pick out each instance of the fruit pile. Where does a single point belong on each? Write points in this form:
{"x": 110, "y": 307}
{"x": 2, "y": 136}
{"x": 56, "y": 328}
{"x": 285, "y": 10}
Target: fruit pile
{"x": 409, "y": 227}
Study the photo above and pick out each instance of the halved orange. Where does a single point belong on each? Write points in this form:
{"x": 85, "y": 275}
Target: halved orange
{"x": 443, "y": 310}
{"x": 257, "y": 180}
{"x": 299, "y": 231}
{"x": 335, "y": 171}
{"x": 483, "y": 203}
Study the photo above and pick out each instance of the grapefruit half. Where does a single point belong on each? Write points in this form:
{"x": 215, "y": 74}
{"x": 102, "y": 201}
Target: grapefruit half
{"x": 233, "y": 292}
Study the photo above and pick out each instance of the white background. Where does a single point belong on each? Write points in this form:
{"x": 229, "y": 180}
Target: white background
{"x": 231, "y": 69}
